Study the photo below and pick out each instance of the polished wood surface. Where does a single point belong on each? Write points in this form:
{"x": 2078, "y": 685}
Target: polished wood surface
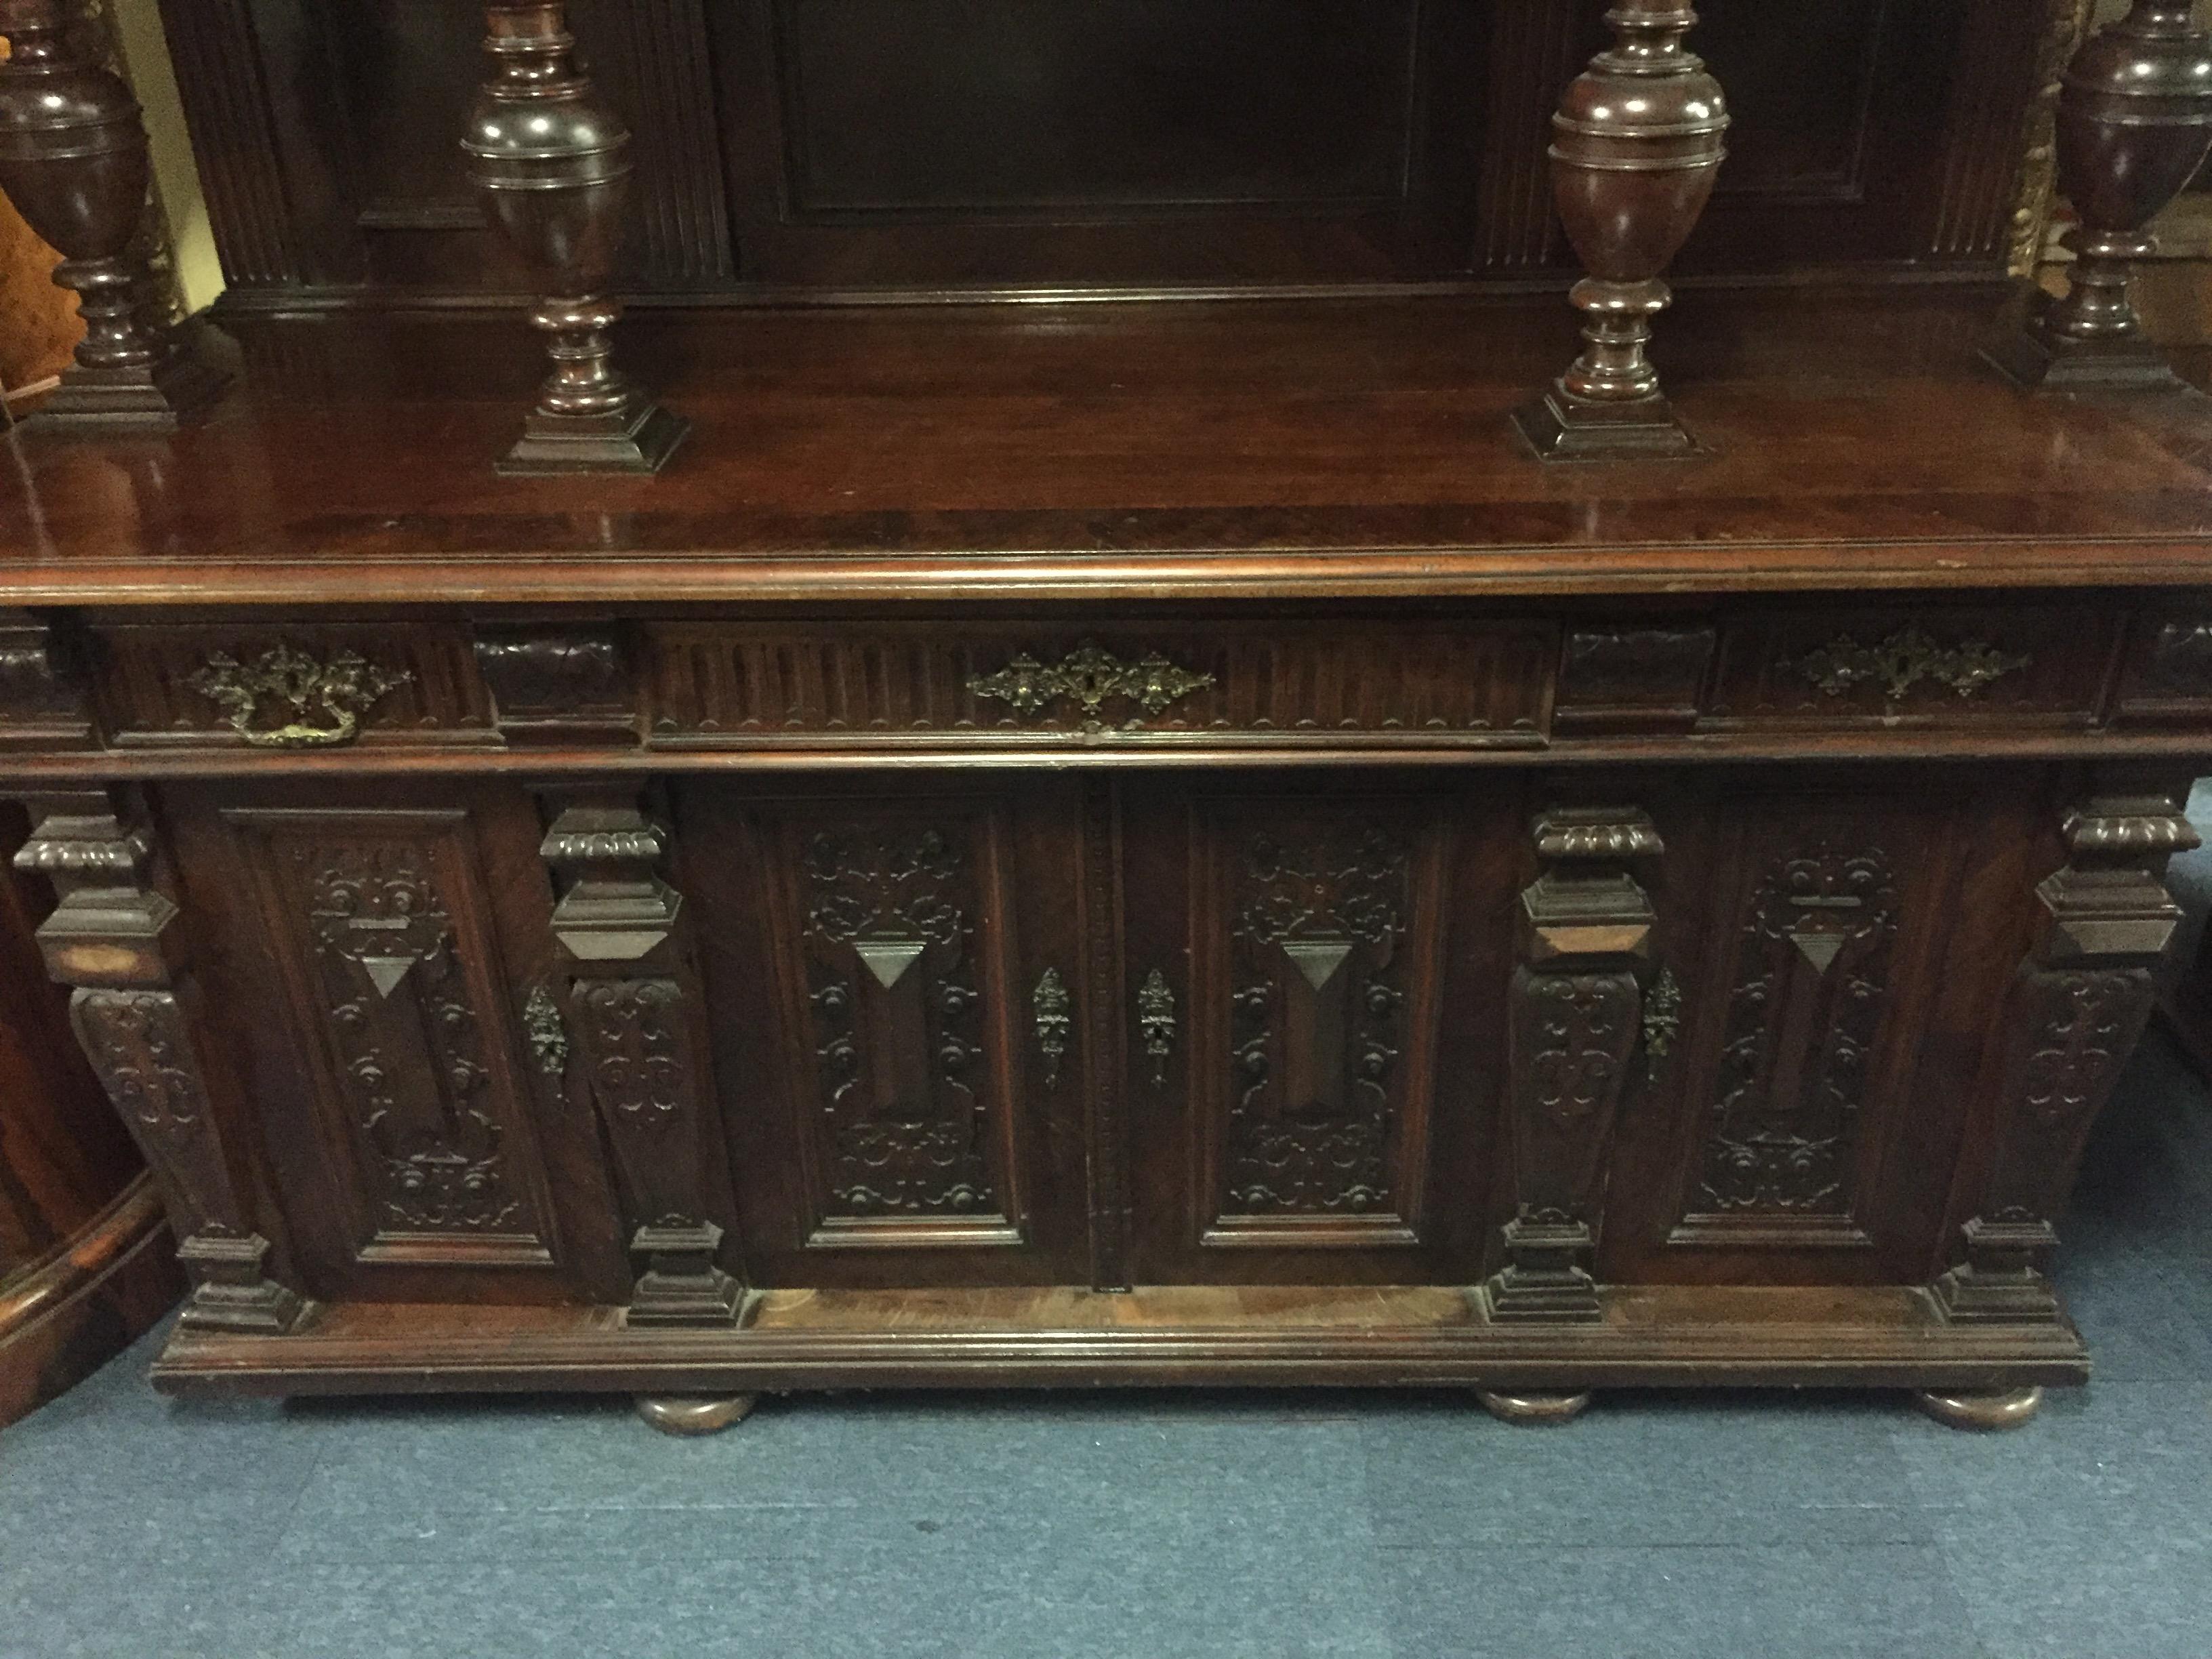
{"x": 1131, "y": 453}
{"x": 1121, "y": 841}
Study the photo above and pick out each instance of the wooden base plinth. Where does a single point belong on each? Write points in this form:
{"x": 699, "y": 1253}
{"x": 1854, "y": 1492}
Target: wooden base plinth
{"x": 1560, "y": 426}
{"x": 158, "y": 398}
{"x": 640, "y": 439}
{"x": 695, "y": 1414}
{"x": 1533, "y": 1409}
{"x": 2040, "y": 362}
{"x": 1980, "y": 1408}
{"x": 1417, "y": 1335}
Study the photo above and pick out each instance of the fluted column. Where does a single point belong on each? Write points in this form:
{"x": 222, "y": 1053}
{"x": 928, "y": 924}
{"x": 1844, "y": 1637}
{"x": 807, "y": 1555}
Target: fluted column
{"x": 1637, "y": 147}
{"x": 552, "y": 161}
{"x": 2134, "y": 124}
{"x": 73, "y": 160}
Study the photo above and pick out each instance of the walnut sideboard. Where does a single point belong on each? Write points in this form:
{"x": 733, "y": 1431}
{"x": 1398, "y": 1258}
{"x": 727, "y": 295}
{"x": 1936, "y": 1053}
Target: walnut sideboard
{"x": 939, "y": 887}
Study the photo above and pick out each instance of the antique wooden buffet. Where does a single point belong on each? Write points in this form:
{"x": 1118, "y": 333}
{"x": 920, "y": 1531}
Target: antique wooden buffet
{"x": 1148, "y": 792}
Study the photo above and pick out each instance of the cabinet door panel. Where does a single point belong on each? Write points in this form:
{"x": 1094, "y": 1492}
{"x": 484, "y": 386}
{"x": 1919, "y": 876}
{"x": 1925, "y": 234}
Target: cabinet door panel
{"x": 896, "y": 1080}
{"x": 372, "y": 968}
{"x": 1286, "y": 1125}
{"x": 1833, "y": 946}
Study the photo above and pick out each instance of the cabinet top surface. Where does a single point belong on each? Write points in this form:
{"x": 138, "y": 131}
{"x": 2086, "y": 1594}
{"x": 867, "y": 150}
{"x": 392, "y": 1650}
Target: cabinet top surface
{"x": 1279, "y": 449}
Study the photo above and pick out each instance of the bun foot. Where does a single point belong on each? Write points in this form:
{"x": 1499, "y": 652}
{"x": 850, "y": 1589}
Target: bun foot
{"x": 693, "y": 1414}
{"x": 1533, "y": 1408}
{"x": 2004, "y": 1408}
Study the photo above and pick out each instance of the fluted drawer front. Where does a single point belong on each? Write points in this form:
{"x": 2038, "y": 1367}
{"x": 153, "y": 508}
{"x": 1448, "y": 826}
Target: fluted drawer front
{"x": 1240, "y": 681}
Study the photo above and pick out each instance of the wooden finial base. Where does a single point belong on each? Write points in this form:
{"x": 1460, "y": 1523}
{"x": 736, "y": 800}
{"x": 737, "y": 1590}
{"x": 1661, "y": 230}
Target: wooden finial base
{"x": 1561, "y": 426}
{"x": 153, "y": 398}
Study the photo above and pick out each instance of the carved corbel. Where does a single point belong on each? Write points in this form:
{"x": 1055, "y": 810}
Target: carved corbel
{"x": 1576, "y": 1002}
{"x": 115, "y": 938}
{"x": 632, "y": 1002}
{"x": 2076, "y": 1007}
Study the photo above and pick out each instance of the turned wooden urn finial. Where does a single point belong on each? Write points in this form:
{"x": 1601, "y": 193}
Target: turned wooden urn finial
{"x": 1637, "y": 146}
{"x": 73, "y": 160}
{"x": 2134, "y": 124}
{"x": 552, "y": 162}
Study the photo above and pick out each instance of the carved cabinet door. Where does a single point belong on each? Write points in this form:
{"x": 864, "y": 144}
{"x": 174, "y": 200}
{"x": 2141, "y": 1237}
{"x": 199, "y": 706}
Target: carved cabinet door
{"x": 377, "y": 965}
{"x": 1832, "y": 949}
{"x": 896, "y": 979}
{"x": 1315, "y": 1011}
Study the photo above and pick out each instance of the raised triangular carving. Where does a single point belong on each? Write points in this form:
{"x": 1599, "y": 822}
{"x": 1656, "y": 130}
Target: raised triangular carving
{"x": 888, "y": 959}
{"x": 1820, "y": 949}
{"x": 1319, "y": 960}
{"x": 385, "y": 972}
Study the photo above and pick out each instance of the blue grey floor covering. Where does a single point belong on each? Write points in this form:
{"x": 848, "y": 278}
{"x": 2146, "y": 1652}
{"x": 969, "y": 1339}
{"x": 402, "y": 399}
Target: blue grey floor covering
{"x": 1155, "y": 1525}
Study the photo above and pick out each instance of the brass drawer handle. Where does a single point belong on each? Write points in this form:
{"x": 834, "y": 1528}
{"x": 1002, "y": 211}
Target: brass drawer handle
{"x": 1090, "y": 677}
{"x": 325, "y": 699}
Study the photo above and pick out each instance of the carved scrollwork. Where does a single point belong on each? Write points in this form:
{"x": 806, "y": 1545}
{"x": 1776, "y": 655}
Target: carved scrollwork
{"x": 321, "y": 703}
{"x": 897, "y": 1023}
{"x": 408, "y": 1038}
{"x": 1090, "y": 678}
{"x": 1783, "y": 1126}
{"x": 1314, "y": 1026}
{"x": 1901, "y": 661}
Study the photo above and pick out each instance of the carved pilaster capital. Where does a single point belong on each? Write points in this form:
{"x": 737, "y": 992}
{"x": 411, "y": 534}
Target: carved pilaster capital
{"x": 112, "y": 926}
{"x": 1586, "y": 907}
{"x": 616, "y": 910}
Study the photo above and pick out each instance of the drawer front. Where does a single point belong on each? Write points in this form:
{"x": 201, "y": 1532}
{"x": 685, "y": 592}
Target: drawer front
{"x": 266, "y": 685}
{"x": 1286, "y": 684}
{"x": 1931, "y": 665}
{"x": 1434, "y": 681}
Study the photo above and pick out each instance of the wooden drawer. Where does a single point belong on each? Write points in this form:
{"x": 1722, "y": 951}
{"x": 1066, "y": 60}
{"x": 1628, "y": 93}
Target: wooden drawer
{"x": 1273, "y": 683}
{"x": 1925, "y": 666}
{"x": 272, "y": 685}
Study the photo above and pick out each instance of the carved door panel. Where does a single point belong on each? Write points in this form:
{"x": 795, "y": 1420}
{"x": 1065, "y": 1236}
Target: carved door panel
{"x": 374, "y": 968}
{"x": 1830, "y": 958}
{"x": 1311, "y": 1094}
{"x": 896, "y": 981}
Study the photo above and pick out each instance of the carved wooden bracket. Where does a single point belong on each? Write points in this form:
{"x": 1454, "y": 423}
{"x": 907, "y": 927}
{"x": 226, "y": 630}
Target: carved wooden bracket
{"x": 115, "y": 938}
{"x": 632, "y": 1005}
{"x": 2077, "y": 1005}
{"x": 1049, "y": 1006}
{"x": 1575, "y": 1007}
{"x": 556, "y": 682}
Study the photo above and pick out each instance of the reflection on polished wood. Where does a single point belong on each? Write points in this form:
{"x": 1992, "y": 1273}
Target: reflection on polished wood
{"x": 1995, "y": 1409}
{"x": 695, "y": 1414}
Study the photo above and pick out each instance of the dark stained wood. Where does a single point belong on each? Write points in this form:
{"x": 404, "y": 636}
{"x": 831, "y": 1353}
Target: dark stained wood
{"x": 87, "y": 1259}
{"x": 74, "y": 162}
{"x": 1139, "y": 842}
{"x": 550, "y": 160}
{"x": 1637, "y": 150}
{"x": 2134, "y": 125}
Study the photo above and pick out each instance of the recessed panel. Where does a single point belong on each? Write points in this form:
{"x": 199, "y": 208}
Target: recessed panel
{"x": 1012, "y": 105}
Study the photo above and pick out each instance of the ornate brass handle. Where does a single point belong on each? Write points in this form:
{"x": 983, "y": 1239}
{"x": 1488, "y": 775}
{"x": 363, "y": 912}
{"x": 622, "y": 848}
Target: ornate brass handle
{"x": 325, "y": 700}
{"x": 1089, "y": 676}
{"x": 1050, "y": 1005}
{"x": 1156, "y": 1022}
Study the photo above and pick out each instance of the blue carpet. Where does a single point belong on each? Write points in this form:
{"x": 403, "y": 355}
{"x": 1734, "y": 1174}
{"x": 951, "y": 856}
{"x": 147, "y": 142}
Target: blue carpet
{"x": 1162, "y": 1526}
